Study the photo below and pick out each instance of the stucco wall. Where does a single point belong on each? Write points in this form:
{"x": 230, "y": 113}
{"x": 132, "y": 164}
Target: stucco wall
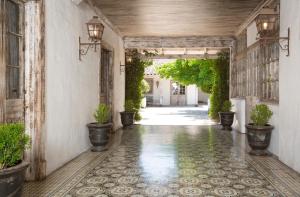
{"x": 289, "y": 109}
{"x": 192, "y": 95}
{"x": 72, "y": 87}
{"x": 202, "y": 96}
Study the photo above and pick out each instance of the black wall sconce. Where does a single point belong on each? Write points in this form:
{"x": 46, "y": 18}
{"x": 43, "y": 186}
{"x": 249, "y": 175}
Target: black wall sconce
{"x": 268, "y": 26}
{"x": 95, "y": 31}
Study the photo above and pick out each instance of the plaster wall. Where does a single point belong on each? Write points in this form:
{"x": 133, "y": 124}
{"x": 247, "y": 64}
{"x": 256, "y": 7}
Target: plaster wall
{"x": 72, "y": 86}
{"x": 202, "y": 96}
{"x": 289, "y": 108}
{"x": 192, "y": 95}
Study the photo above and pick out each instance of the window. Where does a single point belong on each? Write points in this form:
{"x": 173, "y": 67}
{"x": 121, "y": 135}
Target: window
{"x": 178, "y": 89}
{"x": 105, "y": 57}
{"x": 13, "y": 49}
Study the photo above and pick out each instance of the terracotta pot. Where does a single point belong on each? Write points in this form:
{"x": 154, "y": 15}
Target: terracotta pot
{"x": 259, "y": 138}
{"x": 226, "y": 119}
{"x": 99, "y": 135}
{"x": 127, "y": 118}
{"x": 12, "y": 180}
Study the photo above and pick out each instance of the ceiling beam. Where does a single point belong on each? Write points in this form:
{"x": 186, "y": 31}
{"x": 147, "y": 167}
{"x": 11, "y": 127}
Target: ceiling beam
{"x": 103, "y": 17}
{"x": 186, "y": 56}
{"x": 178, "y": 42}
{"x": 77, "y": 2}
{"x": 260, "y": 7}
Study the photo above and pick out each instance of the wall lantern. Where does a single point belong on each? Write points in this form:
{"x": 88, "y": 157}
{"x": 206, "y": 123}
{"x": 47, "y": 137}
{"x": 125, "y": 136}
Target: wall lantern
{"x": 268, "y": 27}
{"x": 128, "y": 60}
{"x": 157, "y": 84}
{"x": 95, "y": 31}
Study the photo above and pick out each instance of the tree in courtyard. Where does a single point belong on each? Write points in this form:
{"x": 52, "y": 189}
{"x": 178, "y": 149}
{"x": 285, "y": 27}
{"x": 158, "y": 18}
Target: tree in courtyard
{"x": 190, "y": 71}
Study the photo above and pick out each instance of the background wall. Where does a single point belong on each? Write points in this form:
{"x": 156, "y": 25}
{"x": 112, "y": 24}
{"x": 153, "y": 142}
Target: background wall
{"x": 192, "y": 95}
{"x": 72, "y": 87}
{"x": 289, "y": 108}
{"x": 202, "y": 96}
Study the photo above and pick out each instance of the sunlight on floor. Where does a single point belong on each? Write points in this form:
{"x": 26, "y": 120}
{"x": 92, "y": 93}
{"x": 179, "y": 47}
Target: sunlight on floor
{"x": 176, "y": 116}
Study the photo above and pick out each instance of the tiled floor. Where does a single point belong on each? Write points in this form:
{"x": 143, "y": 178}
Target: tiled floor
{"x": 156, "y": 160}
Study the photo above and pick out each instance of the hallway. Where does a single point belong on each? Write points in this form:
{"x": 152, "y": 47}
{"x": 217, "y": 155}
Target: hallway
{"x": 171, "y": 161}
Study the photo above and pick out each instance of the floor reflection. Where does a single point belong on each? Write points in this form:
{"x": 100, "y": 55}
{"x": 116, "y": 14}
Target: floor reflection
{"x": 175, "y": 161}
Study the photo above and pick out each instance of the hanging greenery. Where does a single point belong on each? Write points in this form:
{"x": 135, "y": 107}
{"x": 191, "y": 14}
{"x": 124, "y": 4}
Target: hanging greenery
{"x": 134, "y": 89}
{"x": 220, "y": 89}
{"x": 190, "y": 71}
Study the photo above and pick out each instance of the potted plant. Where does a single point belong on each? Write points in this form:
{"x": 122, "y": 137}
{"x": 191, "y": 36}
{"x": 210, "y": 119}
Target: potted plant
{"x": 259, "y": 132}
{"x": 99, "y": 130}
{"x": 226, "y": 115}
{"x": 127, "y": 116}
{"x": 13, "y": 142}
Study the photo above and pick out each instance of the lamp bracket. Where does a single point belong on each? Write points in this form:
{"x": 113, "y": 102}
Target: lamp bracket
{"x": 85, "y": 47}
{"x": 283, "y": 46}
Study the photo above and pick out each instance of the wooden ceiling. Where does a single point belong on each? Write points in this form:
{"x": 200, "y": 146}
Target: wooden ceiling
{"x": 176, "y": 17}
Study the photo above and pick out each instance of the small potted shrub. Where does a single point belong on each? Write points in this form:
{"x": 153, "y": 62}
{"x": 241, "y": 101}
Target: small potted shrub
{"x": 259, "y": 132}
{"x": 99, "y": 130}
{"x": 226, "y": 115}
{"x": 13, "y": 142}
{"x": 127, "y": 116}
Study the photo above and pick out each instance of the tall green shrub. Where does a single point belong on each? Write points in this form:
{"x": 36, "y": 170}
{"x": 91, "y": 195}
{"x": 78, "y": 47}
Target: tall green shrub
{"x": 220, "y": 89}
{"x": 13, "y": 142}
{"x": 134, "y": 76}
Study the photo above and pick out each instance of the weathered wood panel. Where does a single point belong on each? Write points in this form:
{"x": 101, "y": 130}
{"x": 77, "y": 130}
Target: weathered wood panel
{"x": 35, "y": 87}
{"x": 178, "y": 42}
{"x": 2, "y": 63}
{"x": 176, "y": 17}
{"x": 255, "y": 71}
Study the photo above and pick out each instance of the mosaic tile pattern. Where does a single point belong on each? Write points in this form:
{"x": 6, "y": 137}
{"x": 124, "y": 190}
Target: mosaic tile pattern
{"x": 174, "y": 162}
{"x": 179, "y": 161}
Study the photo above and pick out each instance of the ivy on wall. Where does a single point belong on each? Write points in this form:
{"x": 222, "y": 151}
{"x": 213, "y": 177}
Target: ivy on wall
{"x": 220, "y": 89}
{"x": 134, "y": 87}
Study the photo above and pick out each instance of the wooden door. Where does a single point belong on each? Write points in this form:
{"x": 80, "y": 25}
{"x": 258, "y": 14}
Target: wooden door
{"x": 178, "y": 94}
{"x": 105, "y": 76}
{"x": 12, "y": 61}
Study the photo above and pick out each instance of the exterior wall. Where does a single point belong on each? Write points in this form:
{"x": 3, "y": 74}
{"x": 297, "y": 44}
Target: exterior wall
{"x": 162, "y": 93}
{"x": 202, "y": 96}
{"x": 72, "y": 87}
{"x": 239, "y": 107}
{"x": 192, "y": 95}
{"x": 289, "y": 108}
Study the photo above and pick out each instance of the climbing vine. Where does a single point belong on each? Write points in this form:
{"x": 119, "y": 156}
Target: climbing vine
{"x": 220, "y": 89}
{"x": 134, "y": 87}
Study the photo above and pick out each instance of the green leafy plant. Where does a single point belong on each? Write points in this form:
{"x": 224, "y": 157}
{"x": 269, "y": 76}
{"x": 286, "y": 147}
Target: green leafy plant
{"x": 145, "y": 87}
{"x": 13, "y": 142}
{"x": 102, "y": 114}
{"x": 129, "y": 106}
{"x": 227, "y": 106}
{"x": 261, "y": 114}
{"x": 190, "y": 71}
{"x": 134, "y": 76}
{"x": 220, "y": 89}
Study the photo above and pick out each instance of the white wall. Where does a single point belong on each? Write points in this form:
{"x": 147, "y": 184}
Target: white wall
{"x": 202, "y": 96}
{"x": 239, "y": 107}
{"x": 72, "y": 87}
{"x": 289, "y": 109}
{"x": 192, "y": 95}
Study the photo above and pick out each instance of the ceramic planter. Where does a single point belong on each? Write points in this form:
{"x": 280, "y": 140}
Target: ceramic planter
{"x": 226, "y": 119}
{"x": 99, "y": 135}
{"x": 127, "y": 118}
{"x": 12, "y": 180}
{"x": 259, "y": 138}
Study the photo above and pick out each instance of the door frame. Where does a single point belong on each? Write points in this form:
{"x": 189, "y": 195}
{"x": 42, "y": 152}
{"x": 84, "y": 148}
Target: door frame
{"x": 110, "y": 88}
